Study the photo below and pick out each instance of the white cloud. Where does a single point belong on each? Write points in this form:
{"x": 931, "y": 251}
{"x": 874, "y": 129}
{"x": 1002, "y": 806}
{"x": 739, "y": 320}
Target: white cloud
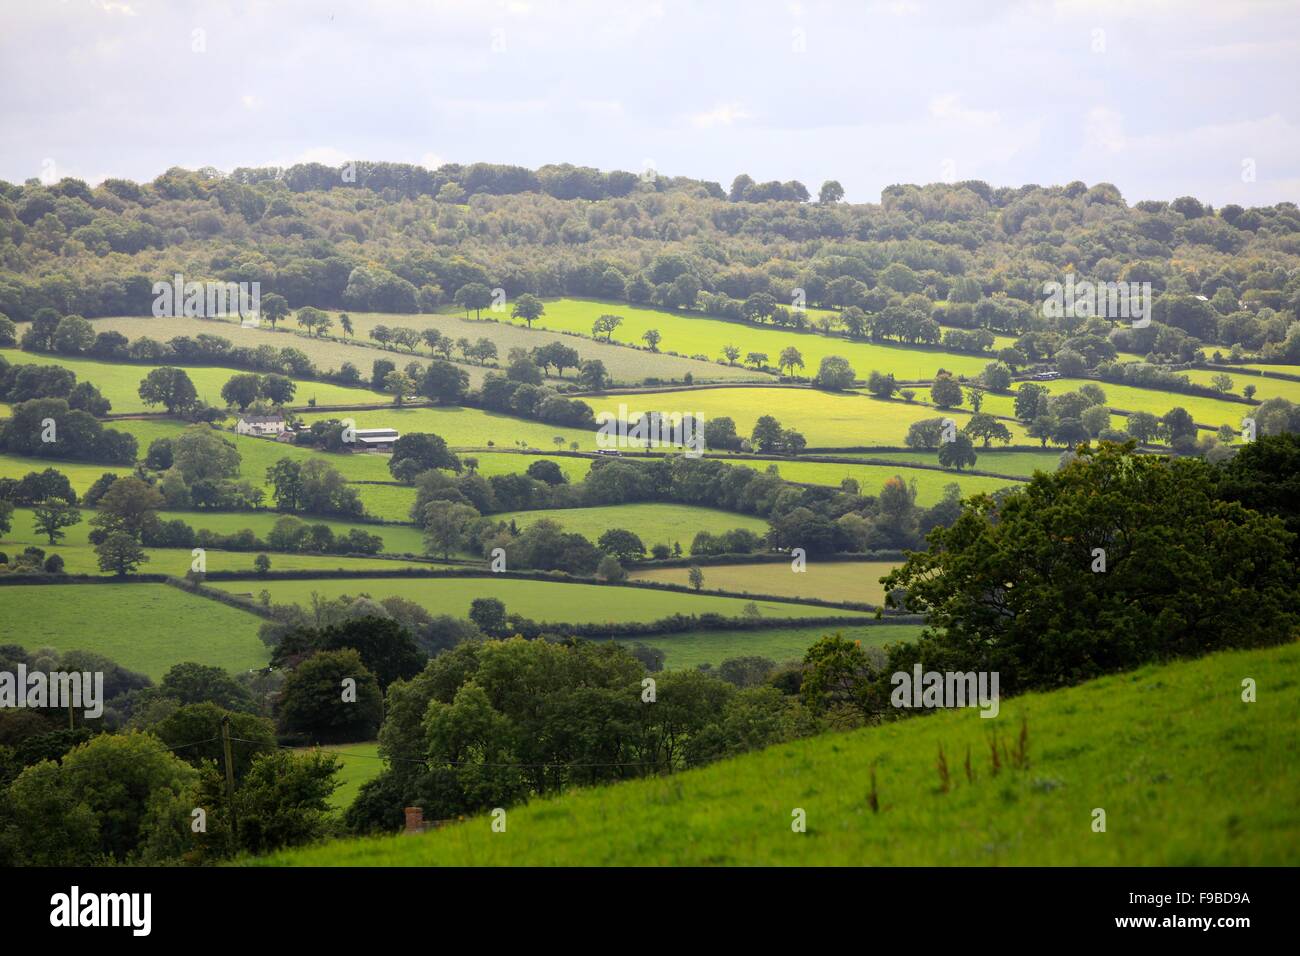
{"x": 724, "y": 114}
{"x": 948, "y": 107}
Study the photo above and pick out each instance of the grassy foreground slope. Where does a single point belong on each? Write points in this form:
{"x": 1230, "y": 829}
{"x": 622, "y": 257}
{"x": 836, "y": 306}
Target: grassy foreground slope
{"x": 1187, "y": 773}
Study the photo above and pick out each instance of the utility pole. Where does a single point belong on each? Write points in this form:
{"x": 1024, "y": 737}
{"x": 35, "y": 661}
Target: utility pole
{"x": 230, "y": 777}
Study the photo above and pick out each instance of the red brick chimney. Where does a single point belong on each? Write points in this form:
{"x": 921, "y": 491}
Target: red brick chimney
{"x": 414, "y": 819}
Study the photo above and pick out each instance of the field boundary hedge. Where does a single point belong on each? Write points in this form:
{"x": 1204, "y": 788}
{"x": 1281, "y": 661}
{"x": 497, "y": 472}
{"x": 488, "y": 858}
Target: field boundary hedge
{"x": 555, "y": 577}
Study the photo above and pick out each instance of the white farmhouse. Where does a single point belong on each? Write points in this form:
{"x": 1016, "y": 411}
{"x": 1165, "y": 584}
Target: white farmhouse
{"x": 260, "y": 425}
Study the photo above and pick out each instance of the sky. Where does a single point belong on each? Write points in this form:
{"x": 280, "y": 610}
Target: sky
{"x": 1163, "y": 98}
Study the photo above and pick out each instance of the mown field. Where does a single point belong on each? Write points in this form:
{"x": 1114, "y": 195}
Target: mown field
{"x": 825, "y": 580}
{"x": 652, "y": 522}
{"x": 691, "y": 333}
{"x": 539, "y": 600}
{"x": 826, "y": 419}
{"x": 143, "y": 627}
{"x": 1171, "y": 754}
{"x": 119, "y": 382}
{"x": 778, "y": 644}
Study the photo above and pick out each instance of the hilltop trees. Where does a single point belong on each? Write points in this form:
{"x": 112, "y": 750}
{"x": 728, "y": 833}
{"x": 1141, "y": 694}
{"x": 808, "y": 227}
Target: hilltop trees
{"x": 1011, "y": 586}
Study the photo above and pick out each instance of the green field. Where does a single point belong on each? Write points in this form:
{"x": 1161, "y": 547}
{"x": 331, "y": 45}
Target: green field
{"x": 1187, "y": 774}
{"x": 653, "y": 523}
{"x": 777, "y": 644}
{"x": 625, "y": 365}
{"x": 258, "y": 454}
{"x": 398, "y": 539}
{"x": 1020, "y": 463}
{"x": 508, "y": 463}
{"x": 826, "y": 419}
{"x": 824, "y": 580}
{"x": 325, "y": 353}
{"x": 81, "y": 474}
{"x": 1265, "y": 387}
{"x": 691, "y": 333}
{"x": 930, "y": 484}
{"x": 543, "y": 601}
{"x": 119, "y": 382}
{"x": 143, "y": 627}
{"x": 360, "y": 763}
{"x": 1206, "y": 411}
{"x": 467, "y": 427}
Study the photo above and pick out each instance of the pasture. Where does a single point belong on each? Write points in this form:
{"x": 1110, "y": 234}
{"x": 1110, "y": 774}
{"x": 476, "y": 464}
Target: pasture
{"x": 652, "y": 522}
{"x": 542, "y": 601}
{"x": 692, "y": 333}
{"x": 464, "y": 428}
{"x": 119, "y": 382}
{"x": 144, "y": 627}
{"x": 930, "y": 484}
{"x": 325, "y": 353}
{"x": 625, "y": 365}
{"x": 779, "y": 644}
{"x": 827, "y": 580}
{"x": 824, "y": 580}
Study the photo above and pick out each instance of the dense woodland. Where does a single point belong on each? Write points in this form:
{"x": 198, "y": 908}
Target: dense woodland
{"x": 397, "y": 238}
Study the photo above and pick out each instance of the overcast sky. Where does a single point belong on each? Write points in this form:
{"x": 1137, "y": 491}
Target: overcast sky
{"x": 1161, "y": 98}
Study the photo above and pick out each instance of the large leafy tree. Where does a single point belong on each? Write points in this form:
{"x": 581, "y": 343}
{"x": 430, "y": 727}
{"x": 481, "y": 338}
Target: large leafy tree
{"x": 120, "y": 553}
{"x": 169, "y": 387}
{"x": 52, "y": 516}
{"x": 529, "y": 308}
{"x": 422, "y": 451}
{"x": 129, "y": 506}
{"x": 315, "y": 701}
{"x": 1011, "y": 586}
